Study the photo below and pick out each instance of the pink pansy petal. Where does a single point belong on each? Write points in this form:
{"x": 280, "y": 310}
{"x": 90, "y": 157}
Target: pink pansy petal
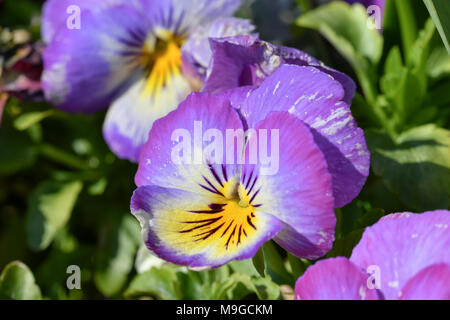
{"x": 296, "y": 187}
{"x": 403, "y": 244}
{"x": 334, "y": 279}
{"x": 432, "y": 283}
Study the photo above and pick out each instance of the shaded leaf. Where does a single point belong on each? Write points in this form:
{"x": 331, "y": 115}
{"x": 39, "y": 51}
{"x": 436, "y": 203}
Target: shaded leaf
{"x": 115, "y": 255}
{"x": 50, "y": 208}
{"x": 17, "y": 283}
{"x": 416, "y": 167}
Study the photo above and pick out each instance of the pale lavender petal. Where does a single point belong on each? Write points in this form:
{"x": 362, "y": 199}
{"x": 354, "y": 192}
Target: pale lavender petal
{"x": 294, "y": 185}
{"x": 130, "y": 117}
{"x": 316, "y": 99}
{"x": 402, "y": 245}
{"x": 432, "y": 283}
{"x": 176, "y": 228}
{"x": 334, "y": 279}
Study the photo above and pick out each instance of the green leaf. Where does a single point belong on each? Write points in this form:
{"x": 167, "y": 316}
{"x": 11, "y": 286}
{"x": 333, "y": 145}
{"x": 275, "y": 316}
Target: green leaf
{"x": 408, "y": 25}
{"x": 244, "y": 267}
{"x": 440, "y": 12}
{"x": 264, "y": 288}
{"x": 26, "y": 120}
{"x": 115, "y": 255}
{"x": 17, "y": 283}
{"x": 258, "y": 262}
{"x": 346, "y": 27}
{"x": 438, "y": 63}
{"x": 50, "y": 208}
{"x": 17, "y": 152}
{"x": 415, "y": 166}
{"x": 343, "y": 247}
{"x": 275, "y": 267}
{"x": 160, "y": 283}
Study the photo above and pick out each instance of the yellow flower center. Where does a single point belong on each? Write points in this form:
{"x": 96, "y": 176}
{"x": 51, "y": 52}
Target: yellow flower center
{"x": 162, "y": 59}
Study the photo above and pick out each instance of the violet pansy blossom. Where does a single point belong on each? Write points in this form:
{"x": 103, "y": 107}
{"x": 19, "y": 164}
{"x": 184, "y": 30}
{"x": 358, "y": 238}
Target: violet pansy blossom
{"x": 402, "y": 256}
{"x": 140, "y": 57}
{"x": 210, "y": 212}
{"x": 245, "y": 62}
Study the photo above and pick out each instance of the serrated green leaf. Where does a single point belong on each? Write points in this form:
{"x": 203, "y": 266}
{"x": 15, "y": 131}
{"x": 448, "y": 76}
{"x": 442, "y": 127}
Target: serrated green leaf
{"x": 17, "y": 283}
{"x": 50, "y": 208}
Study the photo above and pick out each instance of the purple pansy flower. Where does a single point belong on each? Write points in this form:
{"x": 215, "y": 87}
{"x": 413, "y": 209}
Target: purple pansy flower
{"x": 141, "y": 56}
{"x": 245, "y": 62}
{"x": 402, "y": 256}
{"x": 211, "y": 212}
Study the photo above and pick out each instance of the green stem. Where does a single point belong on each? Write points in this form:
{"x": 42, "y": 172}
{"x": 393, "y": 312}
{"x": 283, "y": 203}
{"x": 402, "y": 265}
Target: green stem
{"x": 62, "y": 157}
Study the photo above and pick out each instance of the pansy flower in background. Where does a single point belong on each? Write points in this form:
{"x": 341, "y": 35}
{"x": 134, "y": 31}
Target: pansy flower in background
{"x": 245, "y": 62}
{"x": 402, "y": 256}
{"x": 142, "y": 57}
{"x": 210, "y": 212}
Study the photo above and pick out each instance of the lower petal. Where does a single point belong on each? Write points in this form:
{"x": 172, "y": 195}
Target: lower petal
{"x": 196, "y": 230}
{"x": 432, "y": 283}
{"x": 403, "y": 244}
{"x": 130, "y": 118}
{"x": 294, "y": 185}
{"x": 334, "y": 279}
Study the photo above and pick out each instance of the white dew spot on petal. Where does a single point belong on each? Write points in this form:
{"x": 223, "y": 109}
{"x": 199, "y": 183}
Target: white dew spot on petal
{"x": 441, "y": 226}
{"x": 414, "y": 236}
{"x": 335, "y": 127}
{"x": 362, "y": 292}
{"x": 276, "y": 87}
{"x": 393, "y": 284}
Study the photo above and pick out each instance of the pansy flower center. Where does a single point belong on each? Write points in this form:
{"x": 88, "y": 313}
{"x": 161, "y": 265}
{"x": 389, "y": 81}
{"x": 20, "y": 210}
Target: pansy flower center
{"x": 227, "y": 221}
{"x": 161, "y": 59}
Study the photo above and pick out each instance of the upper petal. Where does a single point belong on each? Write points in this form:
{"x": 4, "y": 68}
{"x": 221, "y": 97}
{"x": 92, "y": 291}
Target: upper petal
{"x": 86, "y": 69}
{"x": 253, "y": 60}
{"x": 55, "y": 13}
{"x": 402, "y": 245}
{"x": 316, "y": 98}
{"x": 334, "y": 279}
{"x": 181, "y": 17}
{"x": 292, "y": 182}
{"x": 186, "y": 132}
